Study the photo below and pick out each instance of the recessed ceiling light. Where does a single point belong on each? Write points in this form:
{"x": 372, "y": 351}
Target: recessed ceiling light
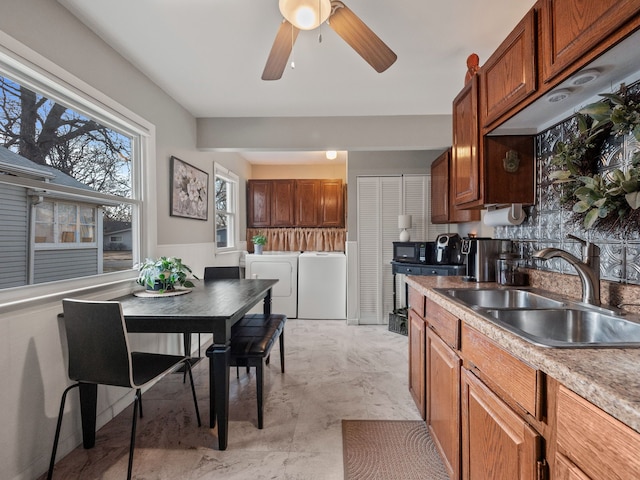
{"x": 584, "y": 77}
{"x": 558, "y": 95}
{"x": 331, "y": 154}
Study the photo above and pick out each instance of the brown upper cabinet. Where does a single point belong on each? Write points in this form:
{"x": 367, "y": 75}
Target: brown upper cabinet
{"x": 259, "y": 203}
{"x": 465, "y": 160}
{"x": 295, "y": 203}
{"x": 282, "y": 205}
{"x": 307, "y": 203}
{"x": 574, "y": 32}
{"x": 487, "y": 170}
{"x": 443, "y": 209}
{"x": 509, "y": 75}
{"x": 331, "y": 203}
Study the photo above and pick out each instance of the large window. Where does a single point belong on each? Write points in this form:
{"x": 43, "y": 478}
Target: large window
{"x": 226, "y": 207}
{"x": 69, "y": 179}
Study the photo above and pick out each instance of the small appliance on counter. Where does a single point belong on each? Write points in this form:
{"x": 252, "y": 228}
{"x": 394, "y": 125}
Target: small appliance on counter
{"x": 481, "y": 256}
{"x": 449, "y": 249}
{"x": 413, "y": 252}
{"x": 510, "y": 270}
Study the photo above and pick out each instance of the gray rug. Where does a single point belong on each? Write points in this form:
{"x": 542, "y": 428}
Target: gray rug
{"x": 389, "y": 450}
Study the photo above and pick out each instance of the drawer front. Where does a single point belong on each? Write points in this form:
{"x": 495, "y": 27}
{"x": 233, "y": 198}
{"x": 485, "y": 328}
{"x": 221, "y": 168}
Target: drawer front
{"x": 408, "y": 269}
{"x": 600, "y": 445}
{"x": 416, "y": 301}
{"x": 429, "y": 271}
{"x": 515, "y": 378}
{"x": 444, "y": 323}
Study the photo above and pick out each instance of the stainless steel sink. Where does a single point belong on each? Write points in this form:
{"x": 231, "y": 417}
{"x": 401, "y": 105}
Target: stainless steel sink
{"x": 569, "y": 327}
{"x": 549, "y": 320}
{"x": 506, "y": 298}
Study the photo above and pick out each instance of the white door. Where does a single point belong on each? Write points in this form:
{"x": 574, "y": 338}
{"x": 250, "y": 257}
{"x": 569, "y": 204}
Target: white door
{"x": 380, "y": 201}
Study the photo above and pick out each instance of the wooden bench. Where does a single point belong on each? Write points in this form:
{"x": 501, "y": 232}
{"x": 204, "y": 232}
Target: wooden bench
{"x": 251, "y": 341}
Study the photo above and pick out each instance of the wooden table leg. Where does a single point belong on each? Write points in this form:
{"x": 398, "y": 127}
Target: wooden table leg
{"x": 266, "y": 306}
{"x": 219, "y": 392}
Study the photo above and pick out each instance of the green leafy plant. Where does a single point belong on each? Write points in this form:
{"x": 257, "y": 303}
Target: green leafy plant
{"x": 620, "y": 112}
{"x": 596, "y": 195}
{"x": 164, "y": 273}
{"x": 259, "y": 239}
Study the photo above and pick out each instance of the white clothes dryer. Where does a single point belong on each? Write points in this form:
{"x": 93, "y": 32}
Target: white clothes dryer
{"x": 282, "y": 266}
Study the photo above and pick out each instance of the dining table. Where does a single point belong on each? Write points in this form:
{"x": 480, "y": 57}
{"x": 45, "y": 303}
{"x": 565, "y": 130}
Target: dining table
{"x": 212, "y": 306}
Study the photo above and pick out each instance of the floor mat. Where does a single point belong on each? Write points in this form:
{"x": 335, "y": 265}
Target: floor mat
{"x": 390, "y": 450}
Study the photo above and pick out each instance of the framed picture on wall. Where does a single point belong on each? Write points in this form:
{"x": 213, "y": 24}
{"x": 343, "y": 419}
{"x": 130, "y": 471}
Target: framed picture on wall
{"x": 189, "y": 190}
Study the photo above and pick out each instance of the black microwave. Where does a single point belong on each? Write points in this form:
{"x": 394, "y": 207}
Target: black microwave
{"x": 413, "y": 252}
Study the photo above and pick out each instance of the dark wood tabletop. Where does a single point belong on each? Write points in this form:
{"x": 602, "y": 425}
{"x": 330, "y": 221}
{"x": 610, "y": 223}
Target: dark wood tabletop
{"x": 209, "y": 307}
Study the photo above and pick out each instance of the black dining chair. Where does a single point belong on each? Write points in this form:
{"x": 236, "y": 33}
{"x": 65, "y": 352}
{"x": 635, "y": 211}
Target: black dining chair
{"x": 219, "y": 273}
{"x": 99, "y": 353}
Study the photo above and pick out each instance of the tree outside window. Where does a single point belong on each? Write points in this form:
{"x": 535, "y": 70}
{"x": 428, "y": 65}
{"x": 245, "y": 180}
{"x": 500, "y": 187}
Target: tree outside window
{"x": 71, "y": 173}
{"x": 226, "y": 201}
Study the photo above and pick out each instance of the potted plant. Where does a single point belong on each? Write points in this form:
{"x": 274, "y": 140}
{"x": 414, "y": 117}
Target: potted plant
{"x": 164, "y": 273}
{"x": 259, "y": 241}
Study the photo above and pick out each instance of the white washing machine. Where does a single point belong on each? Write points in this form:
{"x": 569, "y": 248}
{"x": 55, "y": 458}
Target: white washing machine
{"x": 282, "y": 266}
{"x": 322, "y": 285}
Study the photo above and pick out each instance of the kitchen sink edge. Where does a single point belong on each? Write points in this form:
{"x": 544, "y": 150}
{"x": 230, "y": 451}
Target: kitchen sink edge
{"x": 549, "y": 320}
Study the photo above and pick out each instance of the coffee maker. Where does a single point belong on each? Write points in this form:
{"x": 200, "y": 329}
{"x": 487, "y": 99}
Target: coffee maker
{"x": 481, "y": 256}
{"x": 448, "y": 251}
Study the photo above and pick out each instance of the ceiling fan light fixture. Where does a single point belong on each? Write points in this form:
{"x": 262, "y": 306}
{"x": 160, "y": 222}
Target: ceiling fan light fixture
{"x": 305, "y": 14}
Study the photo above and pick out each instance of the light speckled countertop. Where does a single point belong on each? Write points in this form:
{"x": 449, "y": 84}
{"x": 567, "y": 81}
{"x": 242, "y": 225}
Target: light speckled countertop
{"x": 607, "y": 377}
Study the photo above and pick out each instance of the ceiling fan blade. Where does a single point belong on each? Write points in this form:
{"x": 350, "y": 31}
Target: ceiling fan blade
{"x": 360, "y": 37}
{"x": 280, "y": 51}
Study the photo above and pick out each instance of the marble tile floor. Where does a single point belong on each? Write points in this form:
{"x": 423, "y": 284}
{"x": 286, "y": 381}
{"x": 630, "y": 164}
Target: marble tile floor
{"x": 333, "y": 372}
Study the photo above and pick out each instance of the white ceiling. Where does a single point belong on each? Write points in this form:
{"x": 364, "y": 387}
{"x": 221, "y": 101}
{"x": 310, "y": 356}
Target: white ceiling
{"x": 209, "y": 54}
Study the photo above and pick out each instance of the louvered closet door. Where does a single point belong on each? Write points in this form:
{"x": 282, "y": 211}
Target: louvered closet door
{"x": 416, "y": 193}
{"x": 379, "y": 201}
{"x": 391, "y": 207}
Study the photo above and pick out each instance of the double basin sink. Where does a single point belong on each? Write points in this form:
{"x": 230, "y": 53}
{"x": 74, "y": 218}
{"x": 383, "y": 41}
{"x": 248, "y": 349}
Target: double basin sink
{"x": 549, "y": 321}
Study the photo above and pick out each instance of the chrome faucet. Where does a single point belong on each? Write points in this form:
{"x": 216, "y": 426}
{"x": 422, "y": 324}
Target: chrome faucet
{"x": 588, "y": 268}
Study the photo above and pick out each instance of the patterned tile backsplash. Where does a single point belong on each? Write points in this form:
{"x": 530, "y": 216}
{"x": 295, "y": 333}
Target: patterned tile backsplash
{"x": 548, "y": 222}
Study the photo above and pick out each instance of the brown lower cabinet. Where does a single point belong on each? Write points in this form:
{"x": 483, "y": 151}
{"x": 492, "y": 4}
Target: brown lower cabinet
{"x": 443, "y": 401}
{"x": 591, "y": 444}
{"x": 417, "y": 360}
{"x": 493, "y": 416}
{"x": 496, "y": 442}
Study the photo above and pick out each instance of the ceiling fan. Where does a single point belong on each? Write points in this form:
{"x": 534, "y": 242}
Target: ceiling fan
{"x": 310, "y": 14}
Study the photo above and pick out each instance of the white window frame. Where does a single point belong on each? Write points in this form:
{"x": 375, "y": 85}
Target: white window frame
{"x": 233, "y": 202}
{"x": 57, "y": 243}
{"x": 30, "y": 69}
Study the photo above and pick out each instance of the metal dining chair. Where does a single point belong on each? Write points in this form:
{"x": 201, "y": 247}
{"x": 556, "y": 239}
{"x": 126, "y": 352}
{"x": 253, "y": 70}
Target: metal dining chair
{"x": 99, "y": 353}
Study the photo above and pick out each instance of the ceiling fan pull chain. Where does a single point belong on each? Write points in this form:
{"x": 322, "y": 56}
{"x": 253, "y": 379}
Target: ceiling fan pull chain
{"x": 293, "y": 52}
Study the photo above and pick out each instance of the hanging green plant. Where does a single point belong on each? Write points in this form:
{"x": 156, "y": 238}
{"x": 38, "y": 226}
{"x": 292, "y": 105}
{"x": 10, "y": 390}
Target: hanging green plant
{"x": 597, "y": 196}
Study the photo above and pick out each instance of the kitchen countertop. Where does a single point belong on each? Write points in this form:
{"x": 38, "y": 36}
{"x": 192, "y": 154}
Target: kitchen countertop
{"x": 607, "y": 377}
